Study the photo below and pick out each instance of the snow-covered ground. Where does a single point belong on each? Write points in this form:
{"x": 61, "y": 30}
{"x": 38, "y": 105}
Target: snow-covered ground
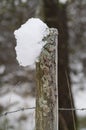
{"x": 14, "y": 101}
{"x": 17, "y": 90}
{"x": 78, "y": 79}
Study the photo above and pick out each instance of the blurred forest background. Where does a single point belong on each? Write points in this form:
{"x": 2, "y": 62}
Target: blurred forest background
{"x": 17, "y": 84}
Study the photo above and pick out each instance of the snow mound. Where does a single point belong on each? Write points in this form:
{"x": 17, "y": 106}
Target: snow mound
{"x": 30, "y": 41}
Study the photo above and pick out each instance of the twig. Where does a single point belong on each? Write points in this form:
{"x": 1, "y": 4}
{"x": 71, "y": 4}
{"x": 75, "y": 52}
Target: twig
{"x": 71, "y": 101}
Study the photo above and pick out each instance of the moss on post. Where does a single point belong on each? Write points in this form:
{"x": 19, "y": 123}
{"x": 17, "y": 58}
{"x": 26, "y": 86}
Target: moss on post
{"x": 46, "y": 96}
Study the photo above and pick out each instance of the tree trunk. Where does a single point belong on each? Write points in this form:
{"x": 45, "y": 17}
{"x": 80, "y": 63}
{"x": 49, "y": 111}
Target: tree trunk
{"x": 55, "y": 16}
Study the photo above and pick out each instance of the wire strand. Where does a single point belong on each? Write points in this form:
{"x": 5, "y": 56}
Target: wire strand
{"x": 24, "y": 109}
{"x": 72, "y": 109}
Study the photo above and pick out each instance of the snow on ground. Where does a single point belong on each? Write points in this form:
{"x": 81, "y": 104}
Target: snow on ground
{"x": 22, "y": 119}
{"x": 79, "y": 88}
{"x": 30, "y": 41}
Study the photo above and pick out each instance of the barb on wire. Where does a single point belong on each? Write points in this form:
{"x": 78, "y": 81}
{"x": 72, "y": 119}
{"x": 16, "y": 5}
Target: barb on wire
{"x": 14, "y": 111}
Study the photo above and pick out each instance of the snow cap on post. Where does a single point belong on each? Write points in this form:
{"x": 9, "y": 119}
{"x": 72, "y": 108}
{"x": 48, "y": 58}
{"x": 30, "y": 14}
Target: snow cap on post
{"x": 30, "y": 41}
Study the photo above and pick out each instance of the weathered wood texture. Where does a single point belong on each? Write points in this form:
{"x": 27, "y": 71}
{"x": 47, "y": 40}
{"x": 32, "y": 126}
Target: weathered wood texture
{"x": 46, "y": 96}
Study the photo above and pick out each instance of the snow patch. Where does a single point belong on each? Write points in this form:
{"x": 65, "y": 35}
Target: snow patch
{"x": 30, "y": 41}
{"x": 80, "y": 102}
{"x": 63, "y": 1}
{"x": 2, "y": 69}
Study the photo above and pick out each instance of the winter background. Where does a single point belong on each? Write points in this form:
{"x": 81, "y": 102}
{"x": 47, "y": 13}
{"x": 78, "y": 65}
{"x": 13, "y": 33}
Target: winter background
{"x": 17, "y": 83}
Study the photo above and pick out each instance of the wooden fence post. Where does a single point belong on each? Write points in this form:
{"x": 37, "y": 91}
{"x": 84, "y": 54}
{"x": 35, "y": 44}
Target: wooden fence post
{"x": 46, "y": 95}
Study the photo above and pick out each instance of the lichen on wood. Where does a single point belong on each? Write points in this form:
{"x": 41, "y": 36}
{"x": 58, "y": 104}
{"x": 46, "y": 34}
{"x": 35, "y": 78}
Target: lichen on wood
{"x": 46, "y": 95}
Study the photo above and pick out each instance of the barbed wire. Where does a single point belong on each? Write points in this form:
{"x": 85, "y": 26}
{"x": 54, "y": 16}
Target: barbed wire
{"x": 29, "y": 108}
{"x": 14, "y": 111}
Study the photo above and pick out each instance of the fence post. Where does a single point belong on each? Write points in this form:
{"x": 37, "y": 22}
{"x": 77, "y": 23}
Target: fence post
{"x": 46, "y": 95}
